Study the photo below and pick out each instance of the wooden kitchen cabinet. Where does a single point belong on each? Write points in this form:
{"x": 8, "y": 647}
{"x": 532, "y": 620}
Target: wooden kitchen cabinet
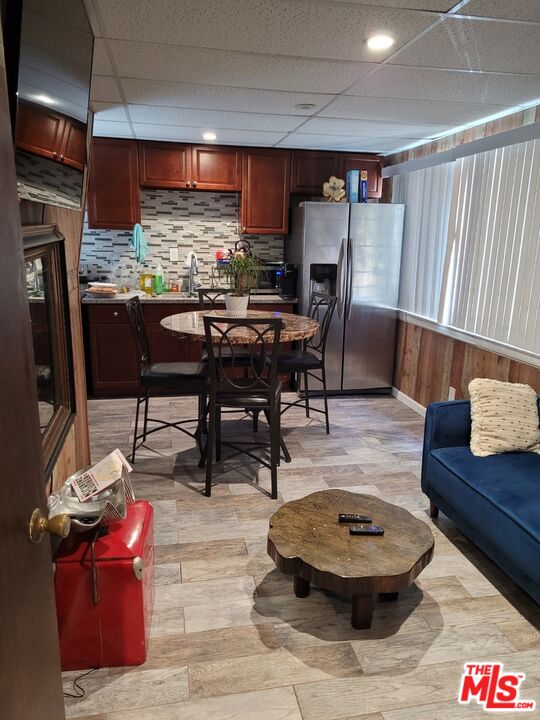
{"x": 371, "y": 163}
{"x": 51, "y": 135}
{"x": 310, "y": 169}
{"x": 216, "y": 168}
{"x": 265, "y": 191}
{"x": 113, "y": 186}
{"x": 164, "y": 165}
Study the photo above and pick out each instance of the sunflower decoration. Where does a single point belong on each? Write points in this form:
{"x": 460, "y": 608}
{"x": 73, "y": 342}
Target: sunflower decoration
{"x": 334, "y": 190}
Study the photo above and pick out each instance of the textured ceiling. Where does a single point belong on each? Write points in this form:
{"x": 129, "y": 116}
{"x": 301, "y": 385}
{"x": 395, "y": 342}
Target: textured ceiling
{"x": 173, "y": 69}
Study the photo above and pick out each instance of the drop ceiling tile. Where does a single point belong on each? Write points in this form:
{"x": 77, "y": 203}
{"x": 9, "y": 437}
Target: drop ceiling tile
{"x": 105, "y": 89}
{"x": 400, "y": 81}
{"x": 101, "y": 64}
{"x": 190, "y": 134}
{"x": 212, "y": 97}
{"x": 110, "y": 111}
{"x": 53, "y": 86}
{"x": 353, "y": 143}
{"x": 232, "y": 69}
{"x": 514, "y": 10}
{"x": 429, "y": 5}
{"x": 63, "y": 105}
{"x": 488, "y": 45}
{"x": 212, "y": 119}
{"x": 408, "y": 111}
{"x": 306, "y": 29}
{"x": 369, "y": 128}
{"x": 110, "y": 128}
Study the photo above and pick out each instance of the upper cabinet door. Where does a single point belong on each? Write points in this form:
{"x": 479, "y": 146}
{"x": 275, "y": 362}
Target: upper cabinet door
{"x": 39, "y": 130}
{"x": 113, "y": 186}
{"x": 310, "y": 169}
{"x": 216, "y": 168}
{"x": 164, "y": 165}
{"x": 73, "y": 151}
{"x": 265, "y": 191}
{"x": 371, "y": 163}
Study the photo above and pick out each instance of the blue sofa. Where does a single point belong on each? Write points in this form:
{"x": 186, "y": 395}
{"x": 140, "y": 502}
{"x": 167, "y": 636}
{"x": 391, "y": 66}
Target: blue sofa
{"x": 495, "y": 501}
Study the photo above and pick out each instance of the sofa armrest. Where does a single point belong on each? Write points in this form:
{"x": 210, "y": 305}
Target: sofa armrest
{"x": 448, "y": 424}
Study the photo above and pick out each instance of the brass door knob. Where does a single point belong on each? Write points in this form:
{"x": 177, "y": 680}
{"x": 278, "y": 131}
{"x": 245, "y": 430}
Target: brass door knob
{"x": 39, "y": 524}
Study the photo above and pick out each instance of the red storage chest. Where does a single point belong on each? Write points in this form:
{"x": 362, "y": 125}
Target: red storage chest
{"x": 105, "y": 593}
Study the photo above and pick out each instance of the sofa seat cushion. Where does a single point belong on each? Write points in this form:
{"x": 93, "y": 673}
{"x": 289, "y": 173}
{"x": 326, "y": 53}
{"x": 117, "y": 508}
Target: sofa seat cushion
{"x": 510, "y": 482}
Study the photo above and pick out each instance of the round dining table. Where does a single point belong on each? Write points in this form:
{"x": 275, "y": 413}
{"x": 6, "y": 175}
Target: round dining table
{"x": 190, "y": 325}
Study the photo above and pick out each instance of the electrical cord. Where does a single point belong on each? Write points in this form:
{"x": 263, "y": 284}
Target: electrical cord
{"x": 78, "y": 690}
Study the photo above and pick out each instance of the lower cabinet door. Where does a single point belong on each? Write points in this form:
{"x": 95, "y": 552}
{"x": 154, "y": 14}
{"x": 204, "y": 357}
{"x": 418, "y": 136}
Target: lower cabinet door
{"x": 113, "y": 360}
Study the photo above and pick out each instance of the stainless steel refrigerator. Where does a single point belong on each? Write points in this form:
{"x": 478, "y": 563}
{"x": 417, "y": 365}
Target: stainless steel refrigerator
{"x": 354, "y": 252}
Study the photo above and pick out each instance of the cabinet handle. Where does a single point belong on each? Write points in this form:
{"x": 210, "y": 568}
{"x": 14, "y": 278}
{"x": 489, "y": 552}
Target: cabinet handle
{"x": 187, "y": 184}
{"x": 115, "y": 314}
{"x": 55, "y": 155}
{"x": 194, "y": 183}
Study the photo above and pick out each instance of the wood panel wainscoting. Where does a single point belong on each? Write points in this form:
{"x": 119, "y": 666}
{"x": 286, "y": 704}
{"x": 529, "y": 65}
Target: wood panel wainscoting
{"x": 428, "y": 363}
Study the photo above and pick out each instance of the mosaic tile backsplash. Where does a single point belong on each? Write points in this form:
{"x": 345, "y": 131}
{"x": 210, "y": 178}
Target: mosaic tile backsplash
{"x": 201, "y": 221}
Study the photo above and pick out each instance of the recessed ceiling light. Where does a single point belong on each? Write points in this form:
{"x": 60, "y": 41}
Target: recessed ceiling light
{"x": 305, "y": 106}
{"x": 380, "y": 42}
{"x": 47, "y": 99}
{"x": 209, "y": 136}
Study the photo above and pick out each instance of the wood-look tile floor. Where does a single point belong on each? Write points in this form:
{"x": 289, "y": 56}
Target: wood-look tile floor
{"x": 230, "y": 640}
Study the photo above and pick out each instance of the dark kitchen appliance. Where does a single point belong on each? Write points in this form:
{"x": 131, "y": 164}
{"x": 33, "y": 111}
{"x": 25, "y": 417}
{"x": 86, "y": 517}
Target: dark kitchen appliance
{"x": 288, "y": 281}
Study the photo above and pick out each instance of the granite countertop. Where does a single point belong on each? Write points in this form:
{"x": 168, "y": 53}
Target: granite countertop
{"x": 184, "y": 298}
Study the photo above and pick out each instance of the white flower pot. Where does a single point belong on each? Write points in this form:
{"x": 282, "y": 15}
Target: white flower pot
{"x": 236, "y": 303}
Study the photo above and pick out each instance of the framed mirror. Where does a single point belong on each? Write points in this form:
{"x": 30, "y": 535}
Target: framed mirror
{"x": 46, "y": 287}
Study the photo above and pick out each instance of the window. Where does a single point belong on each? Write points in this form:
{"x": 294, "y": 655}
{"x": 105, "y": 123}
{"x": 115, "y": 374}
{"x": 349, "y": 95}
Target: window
{"x": 426, "y": 195}
{"x": 491, "y": 282}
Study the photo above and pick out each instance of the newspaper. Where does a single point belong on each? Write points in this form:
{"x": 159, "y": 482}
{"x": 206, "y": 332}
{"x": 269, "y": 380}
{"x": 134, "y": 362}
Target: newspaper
{"x": 100, "y": 476}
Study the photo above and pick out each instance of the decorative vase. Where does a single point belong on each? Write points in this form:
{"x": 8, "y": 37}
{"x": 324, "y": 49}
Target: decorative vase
{"x": 236, "y": 303}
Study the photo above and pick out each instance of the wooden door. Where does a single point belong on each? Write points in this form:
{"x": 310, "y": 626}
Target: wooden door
{"x": 39, "y": 130}
{"x": 164, "y": 165}
{"x": 371, "y": 163}
{"x": 113, "y": 187}
{"x": 310, "y": 169}
{"x": 73, "y": 151}
{"x": 216, "y": 168}
{"x": 30, "y": 679}
{"x": 265, "y": 191}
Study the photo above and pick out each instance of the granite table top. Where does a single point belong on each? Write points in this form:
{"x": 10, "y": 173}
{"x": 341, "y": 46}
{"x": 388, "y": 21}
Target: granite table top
{"x": 190, "y": 325}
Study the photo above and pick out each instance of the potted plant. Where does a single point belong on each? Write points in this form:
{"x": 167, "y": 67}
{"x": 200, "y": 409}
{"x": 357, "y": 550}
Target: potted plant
{"x": 243, "y": 272}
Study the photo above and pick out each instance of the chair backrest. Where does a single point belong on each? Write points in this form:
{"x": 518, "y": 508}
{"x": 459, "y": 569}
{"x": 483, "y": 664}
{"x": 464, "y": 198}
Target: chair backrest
{"x": 321, "y": 308}
{"x": 227, "y": 338}
{"x": 136, "y": 320}
{"x": 212, "y": 297}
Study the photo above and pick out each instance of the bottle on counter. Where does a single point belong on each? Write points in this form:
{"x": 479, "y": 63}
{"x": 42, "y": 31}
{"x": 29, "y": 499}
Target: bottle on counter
{"x": 159, "y": 285}
{"x": 146, "y": 281}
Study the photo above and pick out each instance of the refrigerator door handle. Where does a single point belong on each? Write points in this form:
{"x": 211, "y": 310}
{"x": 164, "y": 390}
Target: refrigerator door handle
{"x": 341, "y": 279}
{"x": 350, "y": 270}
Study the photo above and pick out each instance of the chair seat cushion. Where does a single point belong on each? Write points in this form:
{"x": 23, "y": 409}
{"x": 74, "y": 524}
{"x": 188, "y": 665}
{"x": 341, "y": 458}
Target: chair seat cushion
{"x": 173, "y": 373}
{"x": 510, "y": 483}
{"x": 245, "y": 398}
{"x": 297, "y": 360}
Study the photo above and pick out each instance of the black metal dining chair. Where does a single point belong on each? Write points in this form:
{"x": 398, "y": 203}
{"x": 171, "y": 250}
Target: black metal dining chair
{"x": 209, "y": 299}
{"x": 310, "y": 358}
{"x": 177, "y": 378}
{"x": 259, "y": 388}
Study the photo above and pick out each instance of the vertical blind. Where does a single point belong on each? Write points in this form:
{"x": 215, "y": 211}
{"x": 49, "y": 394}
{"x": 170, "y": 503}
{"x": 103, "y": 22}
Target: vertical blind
{"x": 491, "y": 277}
{"x": 426, "y": 195}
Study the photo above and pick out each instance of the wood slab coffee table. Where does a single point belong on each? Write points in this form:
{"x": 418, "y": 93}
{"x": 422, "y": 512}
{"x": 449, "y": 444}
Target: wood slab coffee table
{"x": 305, "y": 538}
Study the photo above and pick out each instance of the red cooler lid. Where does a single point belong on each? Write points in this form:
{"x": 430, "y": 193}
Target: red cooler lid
{"x": 124, "y": 539}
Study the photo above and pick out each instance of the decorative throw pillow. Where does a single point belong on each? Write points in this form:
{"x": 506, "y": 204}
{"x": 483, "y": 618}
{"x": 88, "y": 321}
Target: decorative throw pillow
{"x": 504, "y": 417}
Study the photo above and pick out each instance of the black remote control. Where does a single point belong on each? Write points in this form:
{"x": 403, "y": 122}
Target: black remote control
{"x": 366, "y": 530}
{"x": 346, "y": 518}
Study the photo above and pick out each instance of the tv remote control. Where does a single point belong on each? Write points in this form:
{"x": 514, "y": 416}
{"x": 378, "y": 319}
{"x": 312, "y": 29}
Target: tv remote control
{"x": 346, "y": 518}
{"x": 366, "y": 530}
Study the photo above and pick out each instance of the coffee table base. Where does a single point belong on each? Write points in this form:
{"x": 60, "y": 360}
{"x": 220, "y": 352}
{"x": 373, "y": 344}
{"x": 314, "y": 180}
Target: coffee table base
{"x": 362, "y": 605}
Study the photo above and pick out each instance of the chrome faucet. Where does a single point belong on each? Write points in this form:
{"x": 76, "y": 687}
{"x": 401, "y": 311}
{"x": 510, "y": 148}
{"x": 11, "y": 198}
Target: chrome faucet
{"x": 191, "y": 278}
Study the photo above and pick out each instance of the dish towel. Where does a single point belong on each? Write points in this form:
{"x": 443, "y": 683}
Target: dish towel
{"x": 138, "y": 243}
